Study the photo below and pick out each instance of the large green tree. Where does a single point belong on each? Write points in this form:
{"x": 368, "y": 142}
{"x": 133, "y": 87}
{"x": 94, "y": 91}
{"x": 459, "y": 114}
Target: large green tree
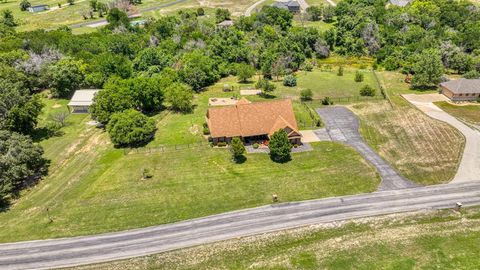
{"x": 428, "y": 69}
{"x": 280, "y": 146}
{"x": 21, "y": 163}
{"x": 180, "y": 97}
{"x": 198, "y": 70}
{"x": 65, "y": 76}
{"x": 130, "y": 128}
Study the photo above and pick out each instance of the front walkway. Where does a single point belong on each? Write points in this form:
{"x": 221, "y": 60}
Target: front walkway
{"x": 264, "y": 150}
{"x": 469, "y": 169}
{"x": 342, "y": 126}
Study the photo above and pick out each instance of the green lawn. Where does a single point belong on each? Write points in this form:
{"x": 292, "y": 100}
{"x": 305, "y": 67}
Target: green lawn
{"x": 327, "y": 83}
{"x": 468, "y": 113}
{"x": 434, "y": 240}
{"x": 93, "y": 188}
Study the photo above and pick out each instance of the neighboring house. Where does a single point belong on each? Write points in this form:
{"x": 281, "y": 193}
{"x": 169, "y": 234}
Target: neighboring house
{"x": 400, "y": 3}
{"x": 461, "y": 89}
{"x": 226, "y": 23}
{"x": 82, "y": 100}
{"x": 291, "y": 5}
{"x": 252, "y": 121}
{"x": 38, "y": 8}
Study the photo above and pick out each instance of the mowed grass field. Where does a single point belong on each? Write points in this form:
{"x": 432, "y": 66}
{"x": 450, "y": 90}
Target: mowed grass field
{"x": 328, "y": 84}
{"x": 468, "y": 113}
{"x": 433, "y": 240}
{"x": 93, "y": 187}
{"x": 424, "y": 150}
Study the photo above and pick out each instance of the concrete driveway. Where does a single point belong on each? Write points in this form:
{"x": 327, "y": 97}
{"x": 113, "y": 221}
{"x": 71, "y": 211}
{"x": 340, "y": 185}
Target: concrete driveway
{"x": 342, "y": 126}
{"x": 469, "y": 169}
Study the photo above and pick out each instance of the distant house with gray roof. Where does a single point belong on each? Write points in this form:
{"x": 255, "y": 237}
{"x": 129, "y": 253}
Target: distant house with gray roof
{"x": 82, "y": 100}
{"x": 38, "y": 8}
{"x": 291, "y": 5}
{"x": 461, "y": 89}
{"x": 400, "y": 3}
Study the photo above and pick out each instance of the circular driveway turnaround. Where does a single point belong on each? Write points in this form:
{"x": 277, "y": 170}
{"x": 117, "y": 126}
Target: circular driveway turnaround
{"x": 469, "y": 169}
{"x": 342, "y": 126}
{"x": 66, "y": 252}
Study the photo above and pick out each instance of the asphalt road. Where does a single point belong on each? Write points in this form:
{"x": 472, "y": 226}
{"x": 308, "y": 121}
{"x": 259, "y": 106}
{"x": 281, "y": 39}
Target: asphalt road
{"x": 113, "y": 246}
{"x": 342, "y": 126}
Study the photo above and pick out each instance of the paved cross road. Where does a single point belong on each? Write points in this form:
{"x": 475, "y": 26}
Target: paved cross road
{"x": 342, "y": 126}
{"x": 57, "y": 253}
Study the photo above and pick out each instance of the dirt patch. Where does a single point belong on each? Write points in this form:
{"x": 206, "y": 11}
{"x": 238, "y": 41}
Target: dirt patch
{"x": 194, "y": 130}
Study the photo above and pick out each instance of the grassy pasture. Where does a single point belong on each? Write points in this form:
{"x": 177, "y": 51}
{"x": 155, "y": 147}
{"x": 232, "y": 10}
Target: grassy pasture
{"x": 424, "y": 150}
{"x": 468, "y": 113}
{"x": 327, "y": 83}
{"x": 433, "y": 240}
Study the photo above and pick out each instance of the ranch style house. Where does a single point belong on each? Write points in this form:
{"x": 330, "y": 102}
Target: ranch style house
{"x": 461, "y": 89}
{"x": 252, "y": 121}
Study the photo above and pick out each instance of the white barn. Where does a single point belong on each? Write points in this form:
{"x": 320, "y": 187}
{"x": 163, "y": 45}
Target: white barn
{"x": 82, "y": 100}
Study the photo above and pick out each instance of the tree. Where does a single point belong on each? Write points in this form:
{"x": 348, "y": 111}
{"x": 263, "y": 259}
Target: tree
{"x": 198, "y": 70}
{"x": 276, "y": 16}
{"x": 266, "y": 86}
{"x": 306, "y": 94}
{"x": 237, "y": 149}
{"x": 328, "y": 13}
{"x": 23, "y": 118}
{"x": 315, "y": 13}
{"x": 367, "y": 90}
{"x": 8, "y": 19}
{"x": 428, "y": 69}
{"x": 117, "y": 18}
{"x": 245, "y": 72}
{"x": 180, "y": 97}
{"x": 130, "y": 128}
{"x": 110, "y": 100}
{"x": 222, "y": 14}
{"x": 24, "y": 5}
{"x": 290, "y": 81}
{"x": 280, "y": 146}
{"x": 71, "y": 2}
{"x": 21, "y": 163}
{"x": 200, "y": 12}
{"x": 473, "y": 74}
{"x": 65, "y": 76}
{"x": 93, "y": 4}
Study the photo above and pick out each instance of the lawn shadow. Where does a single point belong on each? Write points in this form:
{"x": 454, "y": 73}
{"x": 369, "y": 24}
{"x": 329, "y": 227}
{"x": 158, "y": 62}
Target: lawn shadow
{"x": 240, "y": 159}
{"x": 43, "y": 133}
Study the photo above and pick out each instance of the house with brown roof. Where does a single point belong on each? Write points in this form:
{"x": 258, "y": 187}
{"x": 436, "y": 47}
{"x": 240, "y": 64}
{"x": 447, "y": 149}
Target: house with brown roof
{"x": 252, "y": 121}
{"x": 461, "y": 89}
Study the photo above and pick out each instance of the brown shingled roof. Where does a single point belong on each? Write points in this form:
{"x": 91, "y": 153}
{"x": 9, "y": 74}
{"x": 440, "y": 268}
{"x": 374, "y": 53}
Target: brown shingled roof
{"x": 463, "y": 86}
{"x": 251, "y": 119}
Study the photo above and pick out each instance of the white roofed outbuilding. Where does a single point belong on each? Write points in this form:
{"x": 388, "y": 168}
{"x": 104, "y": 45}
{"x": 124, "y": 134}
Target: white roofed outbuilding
{"x": 82, "y": 100}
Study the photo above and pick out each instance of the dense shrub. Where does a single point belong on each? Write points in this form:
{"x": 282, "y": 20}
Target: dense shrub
{"x": 290, "y": 81}
{"x": 358, "y": 76}
{"x": 327, "y": 101}
{"x": 306, "y": 94}
{"x": 237, "y": 149}
{"x": 340, "y": 71}
{"x": 367, "y": 91}
{"x": 265, "y": 85}
{"x": 130, "y": 128}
